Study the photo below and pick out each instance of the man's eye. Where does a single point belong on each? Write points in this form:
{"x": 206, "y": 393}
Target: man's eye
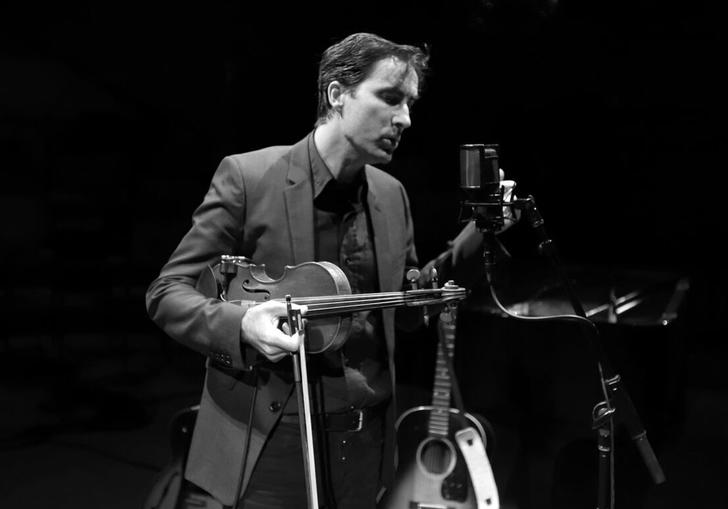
{"x": 391, "y": 99}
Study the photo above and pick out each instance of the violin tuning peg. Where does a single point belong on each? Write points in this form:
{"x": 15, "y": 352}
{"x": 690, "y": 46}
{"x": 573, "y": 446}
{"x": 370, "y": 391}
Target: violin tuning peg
{"x": 413, "y": 277}
{"x": 433, "y": 278}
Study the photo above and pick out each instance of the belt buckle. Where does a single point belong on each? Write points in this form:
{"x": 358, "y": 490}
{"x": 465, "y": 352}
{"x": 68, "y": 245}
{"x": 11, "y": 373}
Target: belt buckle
{"x": 359, "y": 420}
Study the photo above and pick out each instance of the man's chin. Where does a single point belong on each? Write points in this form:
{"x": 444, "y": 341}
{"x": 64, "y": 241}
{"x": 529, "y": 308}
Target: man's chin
{"x": 383, "y": 156}
{"x": 378, "y": 155}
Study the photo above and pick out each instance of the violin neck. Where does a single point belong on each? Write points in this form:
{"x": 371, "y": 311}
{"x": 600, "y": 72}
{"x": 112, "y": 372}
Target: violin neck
{"x": 335, "y": 305}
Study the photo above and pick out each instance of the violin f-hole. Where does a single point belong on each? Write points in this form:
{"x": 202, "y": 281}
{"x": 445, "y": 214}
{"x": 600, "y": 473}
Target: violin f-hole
{"x": 248, "y": 287}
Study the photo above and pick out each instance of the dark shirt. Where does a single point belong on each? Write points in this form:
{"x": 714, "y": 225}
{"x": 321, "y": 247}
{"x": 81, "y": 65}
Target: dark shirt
{"x": 357, "y": 374}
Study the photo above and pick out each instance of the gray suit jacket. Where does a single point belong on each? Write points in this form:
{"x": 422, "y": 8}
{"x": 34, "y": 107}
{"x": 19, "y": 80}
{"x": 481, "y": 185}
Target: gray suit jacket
{"x": 260, "y": 205}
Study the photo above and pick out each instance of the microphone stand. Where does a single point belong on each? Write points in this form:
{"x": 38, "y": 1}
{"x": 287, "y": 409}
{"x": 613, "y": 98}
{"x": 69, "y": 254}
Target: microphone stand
{"x": 616, "y": 399}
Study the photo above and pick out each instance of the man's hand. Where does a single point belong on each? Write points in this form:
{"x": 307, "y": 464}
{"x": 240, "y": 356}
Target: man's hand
{"x": 510, "y": 215}
{"x": 259, "y": 329}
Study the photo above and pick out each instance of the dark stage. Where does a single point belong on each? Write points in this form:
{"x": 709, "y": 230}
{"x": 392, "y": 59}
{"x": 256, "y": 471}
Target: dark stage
{"x": 113, "y": 119}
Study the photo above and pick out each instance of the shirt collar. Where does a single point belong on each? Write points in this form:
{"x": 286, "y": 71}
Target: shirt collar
{"x": 322, "y": 177}
{"x": 320, "y": 173}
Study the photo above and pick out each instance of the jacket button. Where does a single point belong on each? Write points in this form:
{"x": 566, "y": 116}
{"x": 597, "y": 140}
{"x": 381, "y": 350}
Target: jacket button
{"x": 274, "y": 406}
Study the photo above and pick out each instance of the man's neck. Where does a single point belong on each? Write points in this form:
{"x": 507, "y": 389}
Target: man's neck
{"x": 337, "y": 153}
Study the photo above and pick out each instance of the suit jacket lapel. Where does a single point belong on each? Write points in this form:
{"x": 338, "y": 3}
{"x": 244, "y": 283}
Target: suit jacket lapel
{"x": 299, "y": 204}
{"x": 380, "y": 225}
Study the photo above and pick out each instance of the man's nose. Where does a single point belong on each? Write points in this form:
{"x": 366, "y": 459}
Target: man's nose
{"x": 401, "y": 118}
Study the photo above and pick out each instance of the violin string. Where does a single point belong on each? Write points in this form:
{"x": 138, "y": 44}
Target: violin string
{"x": 362, "y": 296}
{"x": 346, "y": 297}
{"x": 323, "y": 305}
{"x": 323, "y": 308}
{"x": 320, "y": 309}
{"x": 433, "y": 295}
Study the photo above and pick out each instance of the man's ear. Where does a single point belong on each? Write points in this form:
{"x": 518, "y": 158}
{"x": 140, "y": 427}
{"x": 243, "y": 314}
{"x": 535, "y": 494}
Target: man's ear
{"x": 335, "y": 93}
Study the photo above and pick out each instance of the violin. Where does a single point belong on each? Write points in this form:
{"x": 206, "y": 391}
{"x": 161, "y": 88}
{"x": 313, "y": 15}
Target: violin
{"x": 321, "y": 286}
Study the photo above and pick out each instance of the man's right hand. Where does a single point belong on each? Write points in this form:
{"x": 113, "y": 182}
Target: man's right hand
{"x": 259, "y": 329}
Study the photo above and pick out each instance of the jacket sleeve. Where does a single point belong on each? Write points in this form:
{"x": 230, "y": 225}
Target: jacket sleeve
{"x": 462, "y": 261}
{"x": 204, "y": 323}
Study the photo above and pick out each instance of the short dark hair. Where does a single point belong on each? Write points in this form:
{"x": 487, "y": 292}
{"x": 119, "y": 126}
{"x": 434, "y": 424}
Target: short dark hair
{"x": 350, "y": 61}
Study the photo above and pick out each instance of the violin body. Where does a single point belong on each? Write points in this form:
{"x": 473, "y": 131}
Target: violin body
{"x": 237, "y": 280}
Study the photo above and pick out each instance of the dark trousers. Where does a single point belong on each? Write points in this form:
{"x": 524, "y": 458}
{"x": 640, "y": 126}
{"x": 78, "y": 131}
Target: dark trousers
{"x": 348, "y": 479}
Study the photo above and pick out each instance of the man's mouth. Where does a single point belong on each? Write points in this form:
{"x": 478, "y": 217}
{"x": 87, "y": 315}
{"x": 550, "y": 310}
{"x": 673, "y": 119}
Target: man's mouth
{"x": 390, "y": 142}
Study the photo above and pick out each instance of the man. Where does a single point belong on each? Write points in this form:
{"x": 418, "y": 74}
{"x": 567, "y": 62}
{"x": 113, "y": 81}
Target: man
{"x": 318, "y": 200}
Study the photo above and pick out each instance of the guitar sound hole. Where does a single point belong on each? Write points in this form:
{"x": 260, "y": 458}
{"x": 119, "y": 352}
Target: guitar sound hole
{"x": 436, "y": 457}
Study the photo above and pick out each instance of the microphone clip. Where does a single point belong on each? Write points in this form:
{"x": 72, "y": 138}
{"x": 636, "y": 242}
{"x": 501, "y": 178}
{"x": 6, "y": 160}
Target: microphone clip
{"x": 488, "y": 214}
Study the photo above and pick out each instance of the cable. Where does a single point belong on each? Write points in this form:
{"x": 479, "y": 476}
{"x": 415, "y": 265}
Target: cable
{"x": 565, "y": 318}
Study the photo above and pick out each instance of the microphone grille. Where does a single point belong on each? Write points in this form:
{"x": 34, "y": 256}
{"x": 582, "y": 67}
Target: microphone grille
{"x": 478, "y": 165}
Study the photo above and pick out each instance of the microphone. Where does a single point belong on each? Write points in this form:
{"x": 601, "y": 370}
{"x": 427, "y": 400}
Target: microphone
{"x": 480, "y": 180}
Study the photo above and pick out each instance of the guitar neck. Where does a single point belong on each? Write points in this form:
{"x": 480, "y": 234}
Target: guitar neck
{"x": 438, "y": 425}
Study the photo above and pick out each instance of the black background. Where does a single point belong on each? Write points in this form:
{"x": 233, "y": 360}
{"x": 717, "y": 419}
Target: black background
{"x": 114, "y": 116}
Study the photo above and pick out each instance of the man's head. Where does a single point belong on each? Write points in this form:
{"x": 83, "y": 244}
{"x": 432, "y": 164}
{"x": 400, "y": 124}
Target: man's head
{"x": 367, "y": 86}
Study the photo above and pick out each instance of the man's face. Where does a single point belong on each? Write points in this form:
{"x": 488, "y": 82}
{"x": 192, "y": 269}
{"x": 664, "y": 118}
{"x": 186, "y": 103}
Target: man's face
{"x": 377, "y": 111}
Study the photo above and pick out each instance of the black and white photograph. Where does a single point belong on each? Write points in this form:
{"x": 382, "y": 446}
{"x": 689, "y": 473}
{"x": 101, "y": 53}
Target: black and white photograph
{"x": 368, "y": 255}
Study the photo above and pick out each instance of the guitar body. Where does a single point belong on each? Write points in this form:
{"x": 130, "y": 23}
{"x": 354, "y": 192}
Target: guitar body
{"x": 431, "y": 471}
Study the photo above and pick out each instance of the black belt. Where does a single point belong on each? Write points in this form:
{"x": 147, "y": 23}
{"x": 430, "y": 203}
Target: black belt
{"x": 353, "y": 420}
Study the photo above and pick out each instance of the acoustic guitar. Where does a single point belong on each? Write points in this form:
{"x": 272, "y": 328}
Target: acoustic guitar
{"x": 442, "y": 463}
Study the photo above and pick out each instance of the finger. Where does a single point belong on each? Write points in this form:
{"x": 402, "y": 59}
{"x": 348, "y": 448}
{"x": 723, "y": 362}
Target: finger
{"x": 277, "y": 356}
{"x": 286, "y": 329}
{"x": 283, "y": 325}
{"x": 278, "y": 346}
{"x": 502, "y": 173}
{"x": 286, "y": 342}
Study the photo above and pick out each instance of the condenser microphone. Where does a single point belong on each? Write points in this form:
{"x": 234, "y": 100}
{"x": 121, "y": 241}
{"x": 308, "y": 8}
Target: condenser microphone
{"x": 480, "y": 181}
